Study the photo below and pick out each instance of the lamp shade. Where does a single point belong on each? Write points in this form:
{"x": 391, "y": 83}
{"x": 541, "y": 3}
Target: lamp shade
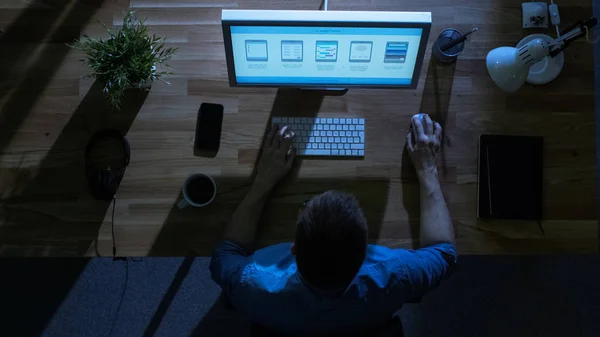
{"x": 509, "y": 66}
{"x": 505, "y": 70}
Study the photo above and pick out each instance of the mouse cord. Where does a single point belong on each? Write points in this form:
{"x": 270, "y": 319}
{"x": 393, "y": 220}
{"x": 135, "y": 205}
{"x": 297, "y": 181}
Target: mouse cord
{"x": 112, "y": 228}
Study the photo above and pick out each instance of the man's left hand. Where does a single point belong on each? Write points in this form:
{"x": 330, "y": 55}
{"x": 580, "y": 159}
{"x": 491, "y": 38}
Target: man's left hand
{"x": 277, "y": 157}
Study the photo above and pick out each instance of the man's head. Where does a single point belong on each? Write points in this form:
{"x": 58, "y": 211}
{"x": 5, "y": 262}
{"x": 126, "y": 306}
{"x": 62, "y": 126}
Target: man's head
{"x": 331, "y": 240}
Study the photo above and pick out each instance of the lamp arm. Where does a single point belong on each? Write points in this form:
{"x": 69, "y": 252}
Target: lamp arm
{"x": 571, "y": 34}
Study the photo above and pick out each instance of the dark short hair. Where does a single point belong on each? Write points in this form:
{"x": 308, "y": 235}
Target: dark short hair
{"x": 331, "y": 240}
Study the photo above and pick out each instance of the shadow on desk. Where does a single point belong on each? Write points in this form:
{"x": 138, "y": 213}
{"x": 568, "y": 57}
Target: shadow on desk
{"x": 436, "y": 102}
{"x": 21, "y": 44}
{"x": 195, "y": 231}
{"x": 47, "y": 210}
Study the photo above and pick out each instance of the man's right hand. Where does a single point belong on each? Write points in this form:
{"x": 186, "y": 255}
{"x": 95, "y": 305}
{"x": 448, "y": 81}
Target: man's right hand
{"x": 423, "y": 143}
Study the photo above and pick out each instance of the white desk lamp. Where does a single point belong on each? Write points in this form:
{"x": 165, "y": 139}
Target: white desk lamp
{"x": 509, "y": 66}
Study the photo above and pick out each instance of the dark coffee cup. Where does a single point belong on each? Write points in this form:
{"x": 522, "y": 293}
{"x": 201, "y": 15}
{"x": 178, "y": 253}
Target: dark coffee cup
{"x": 199, "y": 190}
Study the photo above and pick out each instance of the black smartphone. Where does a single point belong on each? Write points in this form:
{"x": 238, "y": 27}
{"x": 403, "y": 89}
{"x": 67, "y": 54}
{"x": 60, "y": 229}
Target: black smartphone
{"x": 208, "y": 129}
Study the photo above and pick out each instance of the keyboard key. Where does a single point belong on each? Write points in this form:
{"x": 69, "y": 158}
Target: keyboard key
{"x": 361, "y": 134}
{"x": 317, "y": 139}
{"x": 345, "y": 127}
{"x": 335, "y": 152}
{"x": 342, "y": 153}
{"x": 361, "y": 121}
{"x": 301, "y": 146}
{"x": 329, "y": 120}
{"x": 336, "y": 121}
{"x": 311, "y": 140}
{"x": 338, "y": 127}
{"x": 347, "y": 146}
{"x": 283, "y": 120}
{"x": 306, "y": 126}
{"x": 360, "y": 127}
{"x": 334, "y": 146}
{"x": 329, "y": 133}
{"x": 337, "y": 139}
{"x": 275, "y": 120}
{"x": 305, "y": 139}
{"x": 351, "y": 128}
{"x": 330, "y": 139}
{"x": 355, "y": 152}
{"x": 326, "y": 127}
{"x": 357, "y": 146}
{"x": 344, "y": 140}
{"x": 355, "y": 121}
{"x": 321, "y": 146}
{"x": 314, "y": 152}
{"x": 319, "y": 127}
{"x": 336, "y": 133}
{"x": 354, "y": 133}
{"x": 342, "y": 120}
{"x": 350, "y": 140}
{"x": 361, "y": 152}
{"x": 356, "y": 140}
{"x": 328, "y": 146}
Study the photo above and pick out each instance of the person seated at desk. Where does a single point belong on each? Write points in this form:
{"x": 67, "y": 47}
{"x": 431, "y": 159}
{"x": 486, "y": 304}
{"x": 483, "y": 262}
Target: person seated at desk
{"x": 329, "y": 281}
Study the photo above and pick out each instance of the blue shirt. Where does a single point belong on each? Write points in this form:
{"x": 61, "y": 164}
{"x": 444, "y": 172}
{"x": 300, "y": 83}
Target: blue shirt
{"x": 267, "y": 287}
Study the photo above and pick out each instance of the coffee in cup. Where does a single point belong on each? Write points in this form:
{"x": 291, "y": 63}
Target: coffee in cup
{"x": 198, "y": 190}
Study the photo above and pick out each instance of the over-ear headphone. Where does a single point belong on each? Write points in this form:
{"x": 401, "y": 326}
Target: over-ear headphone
{"x": 103, "y": 182}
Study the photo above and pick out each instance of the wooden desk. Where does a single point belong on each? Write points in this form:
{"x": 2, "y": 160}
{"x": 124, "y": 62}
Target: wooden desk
{"x": 48, "y": 114}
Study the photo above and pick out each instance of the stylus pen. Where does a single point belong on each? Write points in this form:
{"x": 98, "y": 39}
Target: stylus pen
{"x": 462, "y": 38}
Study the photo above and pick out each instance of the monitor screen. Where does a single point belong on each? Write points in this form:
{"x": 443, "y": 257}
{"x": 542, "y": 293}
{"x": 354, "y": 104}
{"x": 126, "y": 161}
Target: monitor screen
{"x": 320, "y": 55}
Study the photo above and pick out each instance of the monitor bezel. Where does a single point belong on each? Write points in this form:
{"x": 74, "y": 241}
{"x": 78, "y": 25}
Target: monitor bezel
{"x": 226, "y": 25}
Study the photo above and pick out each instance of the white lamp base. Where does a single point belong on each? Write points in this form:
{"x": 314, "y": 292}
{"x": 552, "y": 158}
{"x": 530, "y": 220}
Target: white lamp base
{"x": 547, "y": 69}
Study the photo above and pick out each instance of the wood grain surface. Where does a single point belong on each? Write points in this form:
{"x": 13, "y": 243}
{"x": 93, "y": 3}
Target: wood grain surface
{"x": 48, "y": 113}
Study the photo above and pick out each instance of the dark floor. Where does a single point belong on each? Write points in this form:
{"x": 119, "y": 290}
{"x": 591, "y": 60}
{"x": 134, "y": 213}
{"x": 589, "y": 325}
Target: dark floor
{"x": 487, "y": 296}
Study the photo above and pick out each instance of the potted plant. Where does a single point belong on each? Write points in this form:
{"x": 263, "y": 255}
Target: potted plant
{"x": 127, "y": 59}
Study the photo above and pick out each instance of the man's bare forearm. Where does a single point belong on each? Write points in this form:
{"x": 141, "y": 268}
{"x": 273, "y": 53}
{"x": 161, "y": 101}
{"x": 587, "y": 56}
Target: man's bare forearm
{"x": 436, "y": 224}
{"x": 244, "y": 221}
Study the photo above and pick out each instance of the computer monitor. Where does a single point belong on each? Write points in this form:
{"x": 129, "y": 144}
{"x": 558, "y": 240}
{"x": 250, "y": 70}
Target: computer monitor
{"x": 324, "y": 49}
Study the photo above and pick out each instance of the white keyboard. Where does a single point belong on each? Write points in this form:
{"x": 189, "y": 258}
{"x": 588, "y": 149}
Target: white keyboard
{"x": 337, "y": 137}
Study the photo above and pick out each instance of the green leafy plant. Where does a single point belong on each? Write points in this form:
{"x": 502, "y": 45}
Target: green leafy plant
{"x": 128, "y": 58}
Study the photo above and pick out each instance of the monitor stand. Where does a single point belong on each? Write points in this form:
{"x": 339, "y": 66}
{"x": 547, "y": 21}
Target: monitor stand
{"x": 333, "y": 91}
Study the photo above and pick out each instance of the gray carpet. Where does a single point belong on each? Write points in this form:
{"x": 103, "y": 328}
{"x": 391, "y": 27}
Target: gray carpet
{"x": 487, "y": 296}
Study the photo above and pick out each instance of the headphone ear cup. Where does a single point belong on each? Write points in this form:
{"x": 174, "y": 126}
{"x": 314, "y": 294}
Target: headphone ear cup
{"x": 94, "y": 183}
{"x": 103, "y": 184}
{"x": 127, "y": 150}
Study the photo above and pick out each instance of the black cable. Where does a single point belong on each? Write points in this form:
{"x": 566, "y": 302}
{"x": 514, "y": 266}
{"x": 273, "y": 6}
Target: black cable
{"x": 125, "y": 285}
{"x": 112, "y": 225}
{"x": 539, "y": 222}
